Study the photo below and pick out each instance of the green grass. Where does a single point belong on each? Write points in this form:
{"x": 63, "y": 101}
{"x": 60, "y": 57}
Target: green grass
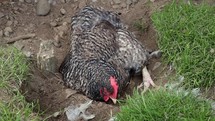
{"x": 13, "y": 70}
{"x": 163, "y": 105}
{"x": 186, "y": 36}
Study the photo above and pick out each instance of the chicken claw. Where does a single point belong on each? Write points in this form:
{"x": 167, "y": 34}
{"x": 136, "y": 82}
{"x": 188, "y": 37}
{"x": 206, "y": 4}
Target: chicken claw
{"x": 147, "y": 80}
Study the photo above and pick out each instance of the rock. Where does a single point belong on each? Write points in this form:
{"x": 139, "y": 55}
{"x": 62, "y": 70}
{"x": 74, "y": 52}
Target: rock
{"x": 9, "y": 23}
{"x": 21, "y": 1}
{"x": 28, "y": 54}
{"x": 57, "y": 42}
{"x": 157, "y": 64}
{"x": 94, "y": 0}
{"x": 62, "y": 11}
{"x": 28, "y": 1}
{"x": 15, "y": 23}
{"x": 65, "y": 24}
{"x": 117, "y": 1}
{"x": 46, "y": 60}
{"x": 43, "y": 7}
{"x": 56, "y": 114}
{"x": 128, "y": 2}
{"x": 116, "y": 6}
{"x": 1, "y": 14}
{"x": 8, "y": 31}
{"x": 19, "y": 45}
{"x": 53, "y": 24}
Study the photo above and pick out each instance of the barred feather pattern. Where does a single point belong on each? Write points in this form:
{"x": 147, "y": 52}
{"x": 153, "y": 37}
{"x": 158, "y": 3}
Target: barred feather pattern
{"x": 89, "y": 16}
{"x": 131, "y": 53}
{"x": 100, "y": 48}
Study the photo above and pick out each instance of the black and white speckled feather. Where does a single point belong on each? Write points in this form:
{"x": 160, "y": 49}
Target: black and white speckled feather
{"x": 100, "y": 48}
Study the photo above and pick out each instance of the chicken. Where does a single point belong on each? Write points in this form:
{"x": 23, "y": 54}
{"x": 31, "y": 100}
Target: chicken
{"x": 103, "y": 55}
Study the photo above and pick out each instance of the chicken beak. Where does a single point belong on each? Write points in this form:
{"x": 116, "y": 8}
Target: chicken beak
{"x": 114, "y": 100}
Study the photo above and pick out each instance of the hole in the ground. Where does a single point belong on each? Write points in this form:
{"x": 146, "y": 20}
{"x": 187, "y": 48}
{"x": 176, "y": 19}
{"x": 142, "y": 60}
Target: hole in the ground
{"x": 52, "y": 96}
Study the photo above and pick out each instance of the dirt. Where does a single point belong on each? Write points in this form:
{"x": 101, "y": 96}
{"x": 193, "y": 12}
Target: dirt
{"x": 48, "y": 90}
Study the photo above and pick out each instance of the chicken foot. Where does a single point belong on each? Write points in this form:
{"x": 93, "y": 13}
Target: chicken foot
{"x": 147, "y": 80}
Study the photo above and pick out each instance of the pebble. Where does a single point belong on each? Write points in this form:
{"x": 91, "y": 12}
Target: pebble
{"x": 28, "y": 1}
{"x": 56, "y": 114}
{"x": 15, "y": 23}
{"x": 128, "y": 2}
{"x": 21, "y": 1}
{"x": 9, "y": 23}
{"x": 28, "y": 54}
{"x": 8, "y": 31}
{"x": 94, "y": 0}
{"x": 43, "y": 7}
{"x": 57, "y": 42}
{"x": 53, "y": 24}
{"x": 116, "y": 6}
{"x": 62, "y": 11}
{"x": 117, "y": 1}
{"x": 1, "y": 14}
{"x": 65, "y": 24}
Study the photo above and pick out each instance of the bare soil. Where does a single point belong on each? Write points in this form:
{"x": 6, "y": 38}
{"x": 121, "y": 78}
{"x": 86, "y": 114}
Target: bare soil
{"x": 48, "y": 90}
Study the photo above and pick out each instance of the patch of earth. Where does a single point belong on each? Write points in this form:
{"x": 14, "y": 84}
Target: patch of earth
{"x": 19, "y": 17}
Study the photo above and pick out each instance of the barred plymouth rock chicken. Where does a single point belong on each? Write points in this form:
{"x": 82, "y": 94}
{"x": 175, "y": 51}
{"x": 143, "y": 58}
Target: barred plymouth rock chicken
{"x": 102, "y": 56}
